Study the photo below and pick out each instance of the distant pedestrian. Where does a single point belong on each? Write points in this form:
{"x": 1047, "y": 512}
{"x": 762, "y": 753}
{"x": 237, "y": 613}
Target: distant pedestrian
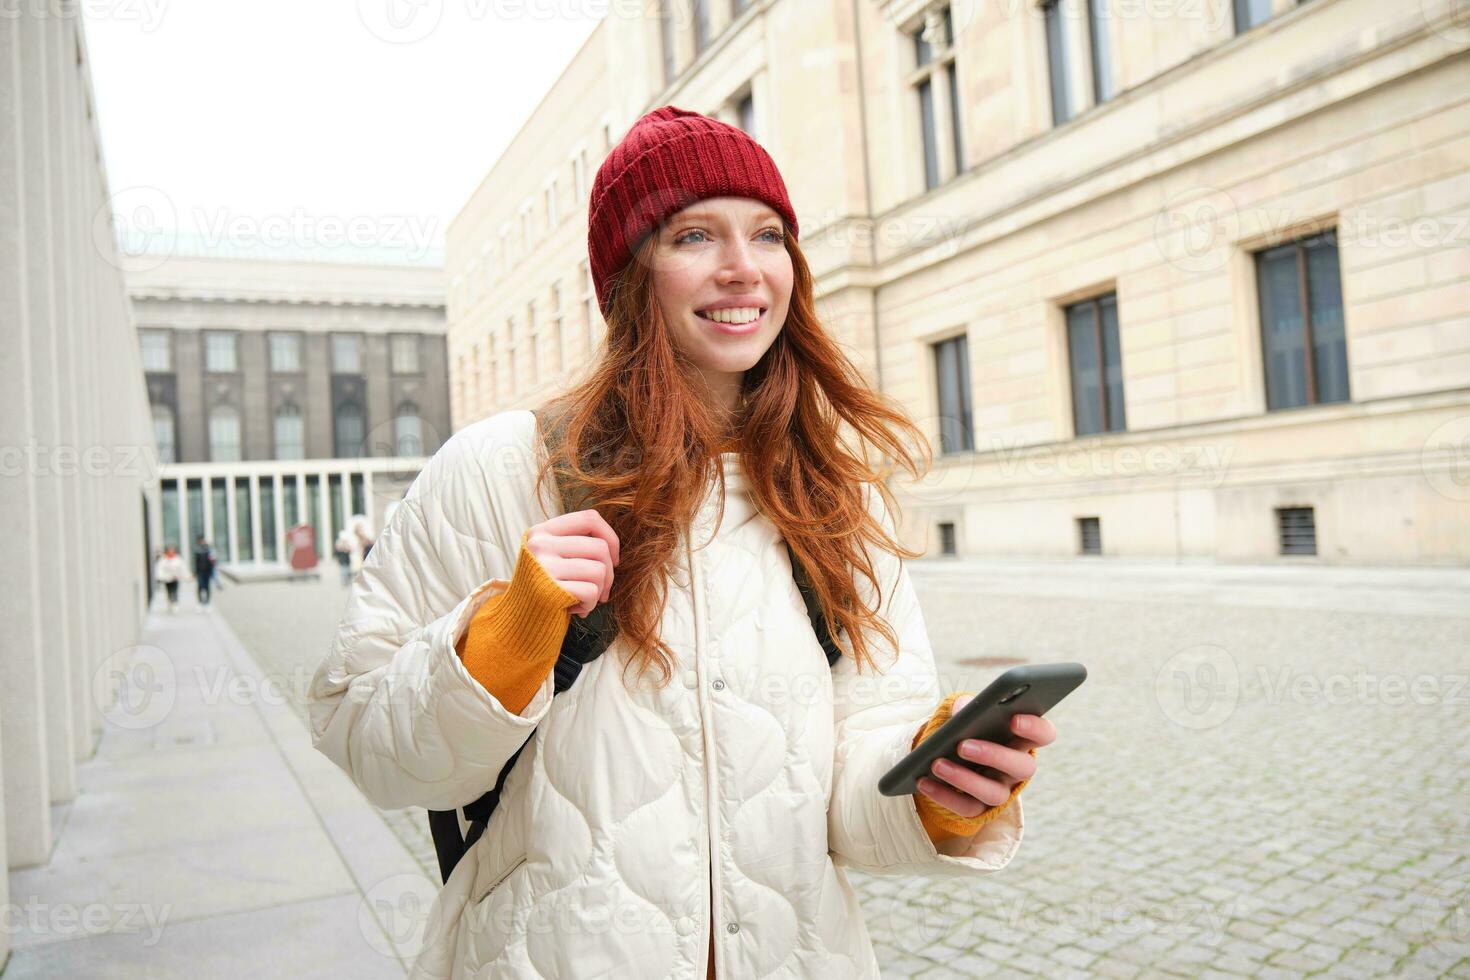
{"x": 169, "y": 569}
{"x": 203, "y": 568}
{"x": 343, "y": 549}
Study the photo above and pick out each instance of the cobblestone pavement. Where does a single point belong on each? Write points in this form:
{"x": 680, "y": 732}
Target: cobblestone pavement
{"x": 1267, "y": 772}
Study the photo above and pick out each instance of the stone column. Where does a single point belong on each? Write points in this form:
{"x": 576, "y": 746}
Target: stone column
{"x": 23, "y": 737}
{"x": 48, "y": 412}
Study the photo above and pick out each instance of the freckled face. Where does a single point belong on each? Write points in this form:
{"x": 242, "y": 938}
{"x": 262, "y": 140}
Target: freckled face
{"x": 723, "y": 252}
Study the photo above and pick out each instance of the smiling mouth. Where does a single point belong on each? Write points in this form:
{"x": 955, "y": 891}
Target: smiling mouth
{"x": 761, "y": 311}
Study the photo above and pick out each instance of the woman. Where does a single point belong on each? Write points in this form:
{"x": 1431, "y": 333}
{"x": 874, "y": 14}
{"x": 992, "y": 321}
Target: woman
{"x": 699, "y": 822}
{"x": 170, "y": 569}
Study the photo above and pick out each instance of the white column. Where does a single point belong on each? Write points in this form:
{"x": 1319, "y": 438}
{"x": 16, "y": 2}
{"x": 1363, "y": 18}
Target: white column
{"x": 11, "y": 174}
{"x": 155, "y": 519}
{"x": 232, "y": 533}
{"x": 344, "y": 491}
{"x": 60, "y": 79}
{"x": 280, "y": 508}
{"x": 183, "y": 543}
{"x": 23, "y": 736}
{"x": 256, "y": 553}
{"x": 301, "y": 502}
{"x": 367, "y": 499}
{"x": 206, "y": 488}
{"x": 63, "y": 641}
{"x": 324, "y": 516}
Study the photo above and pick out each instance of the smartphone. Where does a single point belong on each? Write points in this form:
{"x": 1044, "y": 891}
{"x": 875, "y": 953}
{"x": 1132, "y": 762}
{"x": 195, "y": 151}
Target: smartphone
{"x": 1032, "y": 689}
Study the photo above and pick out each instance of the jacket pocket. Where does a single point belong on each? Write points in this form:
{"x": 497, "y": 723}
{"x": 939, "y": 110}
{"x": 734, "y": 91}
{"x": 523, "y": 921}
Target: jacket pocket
{"x": 484, "y": 893}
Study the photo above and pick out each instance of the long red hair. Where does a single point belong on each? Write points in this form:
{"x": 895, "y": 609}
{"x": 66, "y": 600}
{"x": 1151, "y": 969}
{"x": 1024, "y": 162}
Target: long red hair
{"x": 638, "y": 441}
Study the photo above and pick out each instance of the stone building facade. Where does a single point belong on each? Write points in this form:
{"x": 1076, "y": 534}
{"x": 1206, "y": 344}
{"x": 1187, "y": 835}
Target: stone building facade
{"x": 1173, "y": 281}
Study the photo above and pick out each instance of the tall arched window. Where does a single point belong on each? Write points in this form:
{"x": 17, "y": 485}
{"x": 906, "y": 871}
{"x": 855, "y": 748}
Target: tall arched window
{"x": 163, "y": 433}
{"x": 224, "y": 434}
{"x": 350, "y": 430}
{"x": 290, "y": 433}
{"x": 408, "y": 431}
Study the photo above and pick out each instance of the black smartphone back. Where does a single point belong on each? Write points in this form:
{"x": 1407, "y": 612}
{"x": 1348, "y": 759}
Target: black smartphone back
{"x": 1031, "y": 689}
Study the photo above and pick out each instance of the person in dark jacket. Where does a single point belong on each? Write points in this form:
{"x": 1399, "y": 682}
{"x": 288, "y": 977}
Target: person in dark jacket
{"x": 203, "y": 568}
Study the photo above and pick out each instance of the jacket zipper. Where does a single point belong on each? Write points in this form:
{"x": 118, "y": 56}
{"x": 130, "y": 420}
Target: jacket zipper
{"x": 711, "y": 828}
{"x": 499, "y": 881}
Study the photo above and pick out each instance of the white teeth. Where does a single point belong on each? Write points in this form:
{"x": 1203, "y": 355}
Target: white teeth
{"x": 735, "y": 315}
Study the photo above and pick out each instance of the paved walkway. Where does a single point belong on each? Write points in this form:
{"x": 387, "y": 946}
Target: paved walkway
{"x": 210, "y": 840}
{"x": 1266, "y": 774}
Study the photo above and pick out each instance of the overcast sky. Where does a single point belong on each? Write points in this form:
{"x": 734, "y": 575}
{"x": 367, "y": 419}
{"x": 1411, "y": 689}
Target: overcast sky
{"x": 290, "y": 124}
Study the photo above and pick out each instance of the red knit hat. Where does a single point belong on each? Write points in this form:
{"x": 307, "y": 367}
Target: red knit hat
{"x": 669, "y": 159}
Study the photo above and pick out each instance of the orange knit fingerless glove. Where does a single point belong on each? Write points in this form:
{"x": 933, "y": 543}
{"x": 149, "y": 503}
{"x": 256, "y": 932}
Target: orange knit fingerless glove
{"x": 940, "y": 822}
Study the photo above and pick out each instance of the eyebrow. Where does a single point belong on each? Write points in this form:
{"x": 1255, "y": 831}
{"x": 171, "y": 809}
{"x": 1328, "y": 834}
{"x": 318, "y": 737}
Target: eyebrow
{"x": 765, "y": 215}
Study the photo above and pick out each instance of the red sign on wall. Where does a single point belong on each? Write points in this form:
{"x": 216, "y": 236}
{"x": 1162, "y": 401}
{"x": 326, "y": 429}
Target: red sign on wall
{"x": 301, "y": 546}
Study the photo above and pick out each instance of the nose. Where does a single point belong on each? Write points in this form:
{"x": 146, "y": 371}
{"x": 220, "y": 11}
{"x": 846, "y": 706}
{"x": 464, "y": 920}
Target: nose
{"x": 737, "y": 263}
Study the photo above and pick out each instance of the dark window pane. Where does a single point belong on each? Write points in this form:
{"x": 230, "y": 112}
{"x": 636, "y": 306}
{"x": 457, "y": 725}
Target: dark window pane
{"x": 334, "y": 504}
{"x": 1249, "y": 13}
{"x": 967, "y": 427}
{"x": 1102, "y": 55}
{"x": 701, "y": 25}
{"x": 1056, "y": 54}
{"x": 170, "y": 505}
{"x": 1083, "y": 353}
{"x": 666, "y": 31}
{"x": 931, "y": 145}
{"x": 292, "y": 505}
{"x": 268, "y": 519}
{"x": 195, "y": 490}
{"x": 221, "y": 527}
{"x": 314, "y": 512}
{"x": 954, "y": 119}
{"x": 953, "y": 377}
{"x": 1281, "y": 327}
{"x": 1296, "y": 529}
{"x": 923, "y": 53}
{"x": 1112, "y": 363}
{"x": 244, "y": 537}
{"x": 1089, "y": 533}
{"x": 350, "y": 431}
{"x": 1329, "y": 343}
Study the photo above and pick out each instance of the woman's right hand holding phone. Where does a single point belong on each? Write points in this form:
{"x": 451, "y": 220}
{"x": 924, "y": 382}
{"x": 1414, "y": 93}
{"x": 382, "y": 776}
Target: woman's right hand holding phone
{"x": 579, "y": 550}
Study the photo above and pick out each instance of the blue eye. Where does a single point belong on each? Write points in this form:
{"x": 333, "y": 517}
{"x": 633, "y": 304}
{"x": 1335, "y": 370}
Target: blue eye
{"x": 775, "y": 234}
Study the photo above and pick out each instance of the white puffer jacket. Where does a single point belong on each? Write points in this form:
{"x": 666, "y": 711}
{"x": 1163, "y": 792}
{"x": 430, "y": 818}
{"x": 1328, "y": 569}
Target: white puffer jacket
{"x": 752, "y": 776}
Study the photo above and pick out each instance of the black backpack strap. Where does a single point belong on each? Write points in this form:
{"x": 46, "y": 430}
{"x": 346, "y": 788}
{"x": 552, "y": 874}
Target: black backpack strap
{"x": 585, "y": 641}
{"x": 813, "y": 608}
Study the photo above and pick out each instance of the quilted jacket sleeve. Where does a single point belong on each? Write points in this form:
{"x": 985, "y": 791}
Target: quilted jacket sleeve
{"x": 392, "y": 703}
{"x": 878, "y": 716}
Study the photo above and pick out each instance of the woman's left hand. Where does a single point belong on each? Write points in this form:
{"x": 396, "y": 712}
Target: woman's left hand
{"x": 965, "y": 791}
